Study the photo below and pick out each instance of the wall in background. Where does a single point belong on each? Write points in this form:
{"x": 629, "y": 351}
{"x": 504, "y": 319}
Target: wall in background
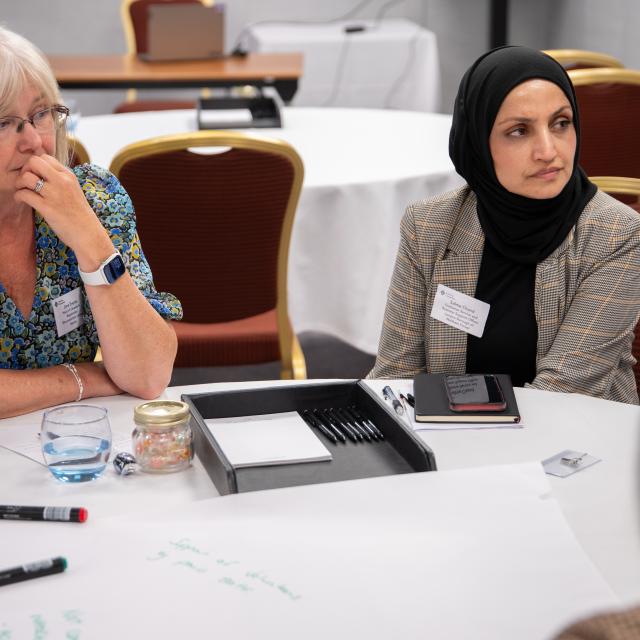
{"x": 461, "y": 26}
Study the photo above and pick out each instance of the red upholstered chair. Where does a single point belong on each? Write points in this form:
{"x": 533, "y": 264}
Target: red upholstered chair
{"x": 133, "y": 14}
{"x": 215, "y": 226}
{"x": 581, "y": 59}
{"x": 609, "y": 103}
{"x": 626, "y": 190}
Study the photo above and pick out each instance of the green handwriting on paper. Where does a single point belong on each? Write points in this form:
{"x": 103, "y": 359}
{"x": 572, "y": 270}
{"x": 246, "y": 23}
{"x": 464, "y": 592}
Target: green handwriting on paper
{"x": 181, "y": 553}
{"x": 39, "y": 626}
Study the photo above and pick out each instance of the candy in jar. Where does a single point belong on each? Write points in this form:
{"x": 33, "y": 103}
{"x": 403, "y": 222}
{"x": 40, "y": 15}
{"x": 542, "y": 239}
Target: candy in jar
{"x": 162, "y": 438}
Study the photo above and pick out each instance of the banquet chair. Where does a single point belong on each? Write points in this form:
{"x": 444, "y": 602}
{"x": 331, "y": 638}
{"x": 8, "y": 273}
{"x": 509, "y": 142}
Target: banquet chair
{"x": 609, "y": 103}
{"x": 77, "y": 152}
{"x": 215, "y": 211}
{"x": 626, "y": 190}
{"x": 133, "y": 14}
{"x": 581, "y": 59}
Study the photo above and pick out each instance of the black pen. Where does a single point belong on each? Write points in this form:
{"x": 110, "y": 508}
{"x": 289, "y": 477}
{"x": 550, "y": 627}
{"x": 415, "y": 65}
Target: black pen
{"x": 370, "y": 429}
{"x": 349, "y": 420}
{"x": 32, "y": 570}
{"x": 309, "y": 418}
{"x": 368, "y": 422}
{"x": 388, "y": 394}
{"x": 357, "y": 427}
{"x": 363, "y": 431}
{"x": 327, "y": 423}
{"x": 337, "y": 419}
{"x": 57, "y": 514}
{"x": 411, "y": 400}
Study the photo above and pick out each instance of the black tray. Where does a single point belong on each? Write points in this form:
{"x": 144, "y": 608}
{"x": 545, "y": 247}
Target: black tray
{"x": 401, "y": 451}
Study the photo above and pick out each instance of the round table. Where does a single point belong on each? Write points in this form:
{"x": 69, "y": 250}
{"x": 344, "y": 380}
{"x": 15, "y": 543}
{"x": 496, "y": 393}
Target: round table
{"x": 362, "y": 167}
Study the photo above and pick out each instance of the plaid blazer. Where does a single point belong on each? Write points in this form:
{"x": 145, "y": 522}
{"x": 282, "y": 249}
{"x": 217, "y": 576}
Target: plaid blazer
{"x": 619, "y": 625}
{"x": 587, "y": 297}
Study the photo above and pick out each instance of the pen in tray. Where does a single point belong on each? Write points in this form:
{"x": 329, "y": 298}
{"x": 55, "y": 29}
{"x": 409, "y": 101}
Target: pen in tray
{"x": 312, "y": 421}
{"x": 327, "y": 423}
{"x": 364, "y": 421}
{"x": 333, "y": 416}
{"x": 353, "y": 424}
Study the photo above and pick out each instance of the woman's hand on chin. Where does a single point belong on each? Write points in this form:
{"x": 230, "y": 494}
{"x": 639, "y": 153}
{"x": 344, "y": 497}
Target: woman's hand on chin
{"x": 60, "y": 201}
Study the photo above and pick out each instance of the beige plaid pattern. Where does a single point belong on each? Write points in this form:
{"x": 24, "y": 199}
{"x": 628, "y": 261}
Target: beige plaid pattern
{"x": 622, "y": 625}
{"x": 587, "y": 297}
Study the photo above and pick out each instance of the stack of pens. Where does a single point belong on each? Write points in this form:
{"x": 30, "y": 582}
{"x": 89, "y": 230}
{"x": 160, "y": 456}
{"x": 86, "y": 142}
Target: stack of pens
{"x": 341, "y": 423}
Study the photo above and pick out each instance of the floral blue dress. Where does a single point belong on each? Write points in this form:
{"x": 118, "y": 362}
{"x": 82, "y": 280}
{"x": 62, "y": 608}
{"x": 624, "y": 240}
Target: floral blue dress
{"x": 33, "y": 342}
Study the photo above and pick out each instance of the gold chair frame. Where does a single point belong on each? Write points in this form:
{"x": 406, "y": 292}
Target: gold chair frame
{"x": 616, "y": 184}
{"x": 582, "y": 77}
{"x": 291, "y": 355}
{"x": 78, "y": 149}
{"x": 581, "y": 56}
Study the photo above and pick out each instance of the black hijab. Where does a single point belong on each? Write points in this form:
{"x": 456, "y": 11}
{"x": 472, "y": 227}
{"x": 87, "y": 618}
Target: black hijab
{"x": 525, "y": 230}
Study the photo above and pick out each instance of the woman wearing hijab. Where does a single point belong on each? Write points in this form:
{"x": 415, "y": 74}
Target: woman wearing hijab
{"x": 557, "y": 260}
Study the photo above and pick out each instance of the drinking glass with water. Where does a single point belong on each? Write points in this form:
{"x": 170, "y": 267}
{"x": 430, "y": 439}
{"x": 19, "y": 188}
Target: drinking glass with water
{"x": 76, "y": 441}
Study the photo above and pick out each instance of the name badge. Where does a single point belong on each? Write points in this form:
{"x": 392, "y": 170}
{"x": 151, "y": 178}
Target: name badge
{"x": 67, "y": 310}
{"x": 460, "y": 311}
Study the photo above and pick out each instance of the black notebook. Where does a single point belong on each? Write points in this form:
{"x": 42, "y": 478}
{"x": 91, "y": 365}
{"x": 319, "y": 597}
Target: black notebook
{"x": 432, "y": 403}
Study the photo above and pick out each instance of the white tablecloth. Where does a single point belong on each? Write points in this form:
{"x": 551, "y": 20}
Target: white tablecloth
{"x": 600, "y": 503}
{"x": 390, "y": 64}
{"x": 362, "y": 167}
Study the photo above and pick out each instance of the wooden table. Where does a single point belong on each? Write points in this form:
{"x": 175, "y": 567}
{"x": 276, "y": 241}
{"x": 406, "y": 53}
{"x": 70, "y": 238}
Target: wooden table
{"x": 280, "y": 70}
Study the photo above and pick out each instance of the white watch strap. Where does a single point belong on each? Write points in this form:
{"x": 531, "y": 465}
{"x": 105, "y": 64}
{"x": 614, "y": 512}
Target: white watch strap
{"x": 97, "y": 277}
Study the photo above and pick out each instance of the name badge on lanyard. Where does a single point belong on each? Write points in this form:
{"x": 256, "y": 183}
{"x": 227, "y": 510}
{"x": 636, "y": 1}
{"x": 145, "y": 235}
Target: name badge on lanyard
{"x": 67, "y": 310}
{"x": 460, "y": 311}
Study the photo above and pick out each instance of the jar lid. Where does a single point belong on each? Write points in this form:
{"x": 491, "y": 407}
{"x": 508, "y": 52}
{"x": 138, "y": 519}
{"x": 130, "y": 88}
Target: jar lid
{"x": 161, "y": 413}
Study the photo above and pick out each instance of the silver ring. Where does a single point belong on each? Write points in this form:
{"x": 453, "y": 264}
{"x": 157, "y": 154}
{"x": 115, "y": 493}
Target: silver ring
{"x": 39, "y": 185}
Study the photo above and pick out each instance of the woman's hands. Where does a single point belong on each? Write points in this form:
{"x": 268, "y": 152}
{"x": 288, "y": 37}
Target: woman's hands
{"x": 63, "y": 205}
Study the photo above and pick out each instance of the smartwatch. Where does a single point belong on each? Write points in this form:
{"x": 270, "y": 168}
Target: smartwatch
{"x": 107, "y": 273}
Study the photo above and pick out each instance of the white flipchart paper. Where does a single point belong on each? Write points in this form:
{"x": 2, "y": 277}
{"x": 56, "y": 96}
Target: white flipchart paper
{"x": 479, "y": 553}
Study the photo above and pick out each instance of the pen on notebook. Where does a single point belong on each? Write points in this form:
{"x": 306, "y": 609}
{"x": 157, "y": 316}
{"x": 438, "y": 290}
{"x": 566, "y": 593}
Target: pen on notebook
{"x": 56, "y": 514}
{"x": 32, "y": 570}
{"x": 308, "y": 417}
{"x": 346, "y": 428}
{"x": 327, "y": 423}
{"x": 388, "y": 394}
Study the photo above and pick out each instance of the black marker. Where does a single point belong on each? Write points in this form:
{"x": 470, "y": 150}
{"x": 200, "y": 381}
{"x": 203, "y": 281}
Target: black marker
{"x": 310, "y": 419}
{"x": 329, "y": 425}
{"x": 333, "y": 416}
{"x": 32, "y": 570}
{"x": 56, "y": 514}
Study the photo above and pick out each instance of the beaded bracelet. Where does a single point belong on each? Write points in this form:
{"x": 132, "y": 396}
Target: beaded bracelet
{"x": 74, "y": 372}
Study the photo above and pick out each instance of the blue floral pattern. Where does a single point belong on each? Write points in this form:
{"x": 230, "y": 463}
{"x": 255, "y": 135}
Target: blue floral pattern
{"x": 33, "y": 342}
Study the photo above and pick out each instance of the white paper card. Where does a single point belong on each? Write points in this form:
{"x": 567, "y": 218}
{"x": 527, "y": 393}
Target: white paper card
{"x": 460, "y": 310}
{"x": 226, "y": 116}
{"x": 568, "y": 462}
{"x": 274, "y": 438}
{"x": 67, "y": 310}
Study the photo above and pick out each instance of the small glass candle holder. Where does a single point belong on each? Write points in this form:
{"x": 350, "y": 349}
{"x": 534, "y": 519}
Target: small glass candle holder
{"x": 162, "y": 438}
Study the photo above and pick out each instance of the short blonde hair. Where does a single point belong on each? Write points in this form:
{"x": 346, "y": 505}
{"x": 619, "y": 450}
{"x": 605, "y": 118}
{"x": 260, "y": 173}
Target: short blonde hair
{"x": 22, "y": 64}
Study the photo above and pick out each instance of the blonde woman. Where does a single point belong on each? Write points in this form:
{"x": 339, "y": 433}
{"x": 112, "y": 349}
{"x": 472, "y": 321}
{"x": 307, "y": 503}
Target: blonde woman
{"x": 72, "y": 272}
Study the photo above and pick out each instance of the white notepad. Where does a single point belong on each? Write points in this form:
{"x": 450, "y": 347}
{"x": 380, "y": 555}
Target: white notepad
{"x": 273, "y": 438}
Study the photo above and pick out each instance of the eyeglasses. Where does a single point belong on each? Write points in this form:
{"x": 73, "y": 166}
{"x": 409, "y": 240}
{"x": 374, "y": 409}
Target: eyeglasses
{"x": 43, "y": 121}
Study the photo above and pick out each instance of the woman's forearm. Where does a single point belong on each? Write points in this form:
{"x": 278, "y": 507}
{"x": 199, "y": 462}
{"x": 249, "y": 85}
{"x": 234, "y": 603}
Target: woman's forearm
{"x": 32, "y": 389}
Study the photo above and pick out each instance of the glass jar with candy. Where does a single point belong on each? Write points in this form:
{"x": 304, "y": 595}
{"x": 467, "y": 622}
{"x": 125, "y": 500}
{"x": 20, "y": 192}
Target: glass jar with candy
{"x": 162, "y": 438}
